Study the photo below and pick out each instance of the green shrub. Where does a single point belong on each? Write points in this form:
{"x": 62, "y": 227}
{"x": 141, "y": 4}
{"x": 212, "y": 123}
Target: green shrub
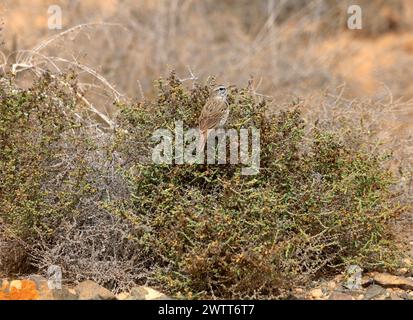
{"x": 42, "y": 156}
{"x": 56, "y": 176}
{"x": 318, "y": 203}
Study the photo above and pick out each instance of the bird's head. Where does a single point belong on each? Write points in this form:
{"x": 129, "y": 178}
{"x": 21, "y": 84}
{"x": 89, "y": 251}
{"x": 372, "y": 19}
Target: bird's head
{"x": 221, "y": 92}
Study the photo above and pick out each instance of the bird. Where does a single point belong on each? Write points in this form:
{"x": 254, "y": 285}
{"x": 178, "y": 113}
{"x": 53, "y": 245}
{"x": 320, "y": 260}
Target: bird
{"x": 214, "y": 114}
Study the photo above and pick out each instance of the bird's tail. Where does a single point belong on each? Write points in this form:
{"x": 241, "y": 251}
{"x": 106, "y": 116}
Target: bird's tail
{"x": 202, "y": 140}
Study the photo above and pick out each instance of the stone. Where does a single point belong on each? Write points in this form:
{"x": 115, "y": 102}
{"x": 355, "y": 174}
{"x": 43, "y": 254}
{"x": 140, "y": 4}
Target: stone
{"x": 35, "y": 287}
{"x": 336, "y": 295}
{"x": 4, "y": 289}
{"x": 38, "y": 280}
{"x": 366, "y": 281}
{"x": 71, "y": 291}
{"x": 45, "y": 293}
{"x": 4, "y": 284}
{"x": 374, "y": 291}
{"x": 394, "y": 296}
{"x": 408, "y": 262}
{"x": 89, "y": 290}
{"x": 387, "y": 280}
{"x": 16, "y": 285}
{"x": 353, "y": 277}
{"x": 339, "y": 278}
{"x": 146, "y": 293}
{"x": 41, "y": 285}
{"x": 122, "y": 296}
{"x": 403, "y": 272}
{"x": 19, "y": 290}
{"x": 405, "y": 296}
{"x": 299, "y": 290}
{"x": 316, "y": 293}
{"x": 65, "y": 294}
{"x": 331, "y": 285}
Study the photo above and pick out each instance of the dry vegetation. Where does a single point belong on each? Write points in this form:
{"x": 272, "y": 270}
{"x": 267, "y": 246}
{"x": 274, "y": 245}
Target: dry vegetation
{"x": 294, "y": 46}
{"x": 85, "y": 200}
{"x": 336, "y": 166}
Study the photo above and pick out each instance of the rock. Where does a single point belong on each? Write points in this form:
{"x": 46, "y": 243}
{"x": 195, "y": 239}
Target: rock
{"x": 146, "y": 293}
{"x": 336, "y": 295}
{"x": 316, "y": 293}
{"x": 45, "y": 293}
{"x": 394, "y": 296}
{"x": 339, "y": 278}
{"x": 38, "y": 280}
{"x": 297, "y": 294}
{"x": 4, "y": 283}
{"x": 4, "y": 289}
{"x": 299, "y": 290}
{"x": 122, "y": 296}
{"x": 353, "y": 277}
{"x": 89, "y": 290}
{"x": 402, "y": 271}
{"x": 37, "y": 287}
{"x": 405, "y": 296}
{"x": 16, "y": 285}
{"x": 366, "y": 281}
{"x": 64, "y": 293}
{"x": 408, "y": 262}
{"x": 18, "y": 290}
{"x": 331, "y": 285}
{"x": 387, "y": 280}
{"x": 72, "y": 291}
{"x": 374, "y": 291}
{"x": 41, "y": 285}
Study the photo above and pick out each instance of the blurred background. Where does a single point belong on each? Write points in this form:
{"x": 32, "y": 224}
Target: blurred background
{"x": 291, "y": 47}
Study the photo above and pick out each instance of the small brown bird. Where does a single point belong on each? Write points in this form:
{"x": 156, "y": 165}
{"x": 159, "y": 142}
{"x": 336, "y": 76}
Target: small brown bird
{"x": 214, "y": 114}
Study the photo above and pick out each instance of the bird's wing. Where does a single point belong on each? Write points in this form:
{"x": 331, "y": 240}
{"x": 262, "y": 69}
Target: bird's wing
{"x": 211, "y": 114}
